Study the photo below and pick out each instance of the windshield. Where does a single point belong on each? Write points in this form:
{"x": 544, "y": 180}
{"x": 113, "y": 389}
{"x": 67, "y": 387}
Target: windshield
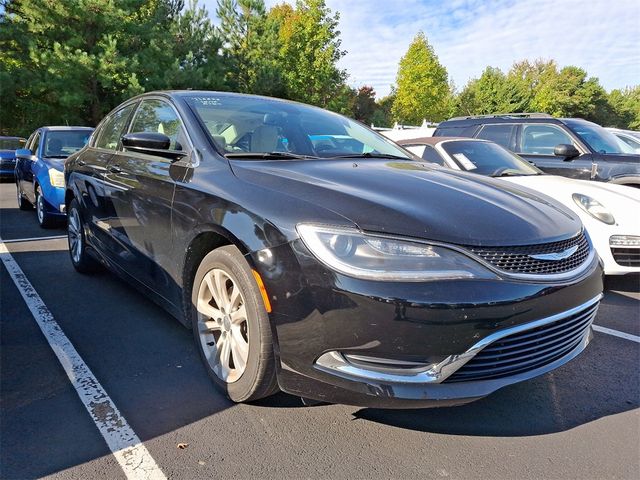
{"x": 62, "y": 143}
{"x": 630, "y": 140}
{"x": 599, "y": 139}
{"x": 11, "y": 143}
{"x": 248, "y": 126}
{"x": 487, "y": 158}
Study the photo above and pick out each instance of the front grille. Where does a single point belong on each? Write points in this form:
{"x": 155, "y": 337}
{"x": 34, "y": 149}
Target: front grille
{"x": 518, "y": 259}
{"x": 626, "y": 257}
{"x": 528, "y": 350}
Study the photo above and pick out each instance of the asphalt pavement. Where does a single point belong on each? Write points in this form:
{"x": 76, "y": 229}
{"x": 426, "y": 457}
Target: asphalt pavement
{"x": 580, "y": 421}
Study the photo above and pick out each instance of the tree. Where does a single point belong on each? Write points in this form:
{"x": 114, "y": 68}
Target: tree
{"x": 195, "y": 52}
{"x": 71, "y": 62}
{"x": 364, "y": 104}
{"x": 309, "y": 53}
{"x": 422, "y": 85}
{"x": 625, "y": 106}
{"x": 250, "y": 47}
{"x": 487, "y": 94}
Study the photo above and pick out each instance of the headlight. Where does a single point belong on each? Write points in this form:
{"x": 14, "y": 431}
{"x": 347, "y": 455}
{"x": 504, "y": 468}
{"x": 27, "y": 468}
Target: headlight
{"x": 56, "y": 178}
{"x": 594, "y": 208}
{"x": 372, "y": 257}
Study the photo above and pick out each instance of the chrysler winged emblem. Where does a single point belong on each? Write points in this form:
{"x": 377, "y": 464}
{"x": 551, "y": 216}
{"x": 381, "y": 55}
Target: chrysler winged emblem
{"x": 555, "y": 256}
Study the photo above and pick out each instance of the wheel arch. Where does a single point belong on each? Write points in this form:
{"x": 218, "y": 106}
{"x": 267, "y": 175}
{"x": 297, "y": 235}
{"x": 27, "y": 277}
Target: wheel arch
{"x": 207, "y": 238}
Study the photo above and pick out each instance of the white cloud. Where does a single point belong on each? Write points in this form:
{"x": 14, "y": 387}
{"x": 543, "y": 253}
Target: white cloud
{"x": 601, "y": 36}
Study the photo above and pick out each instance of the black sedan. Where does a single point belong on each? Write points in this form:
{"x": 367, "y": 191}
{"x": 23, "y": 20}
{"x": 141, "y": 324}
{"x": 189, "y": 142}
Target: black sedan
{"x": 311, "y": 255}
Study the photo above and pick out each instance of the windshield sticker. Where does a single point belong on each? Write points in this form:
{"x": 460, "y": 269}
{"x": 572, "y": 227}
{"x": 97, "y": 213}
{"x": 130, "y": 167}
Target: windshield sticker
{"x": 464, "y": 161}
{"x": 206, "y": 101}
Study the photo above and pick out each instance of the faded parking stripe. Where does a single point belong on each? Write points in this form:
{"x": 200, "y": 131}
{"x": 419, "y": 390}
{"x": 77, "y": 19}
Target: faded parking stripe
{"x": 616, "y": 333}
{"x": 123, "y": 442}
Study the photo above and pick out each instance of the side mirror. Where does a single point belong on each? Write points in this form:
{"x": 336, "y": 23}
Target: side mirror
{"x": 568, "y": 151}
{"x": 151, "y": 143}
{"x": 24, "y": 153}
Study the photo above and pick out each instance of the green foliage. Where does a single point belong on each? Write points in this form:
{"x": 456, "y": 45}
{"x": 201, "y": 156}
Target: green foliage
{"x": 364, "y": 104}
{"x": 422, "y": 85}
{"x": 71, "y": 62}
{"x": 309, "y": 52}
{"x": 541, "y": 86}
{"x": 625, "y": 106}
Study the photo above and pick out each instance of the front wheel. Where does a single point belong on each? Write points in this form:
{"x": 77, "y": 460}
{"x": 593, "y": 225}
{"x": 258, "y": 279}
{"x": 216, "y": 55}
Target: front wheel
{"x": 231, "y": 326}
{"x": 80, "y": 258}
{"x": 45, "y": 219}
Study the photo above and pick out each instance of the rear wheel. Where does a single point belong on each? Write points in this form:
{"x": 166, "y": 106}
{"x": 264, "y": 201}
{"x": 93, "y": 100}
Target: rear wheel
{"x": 45, "y": 219}
{"x": 23, "y": 203}
{"x": 80, "y": 258}
{"x": 231, "y": 326}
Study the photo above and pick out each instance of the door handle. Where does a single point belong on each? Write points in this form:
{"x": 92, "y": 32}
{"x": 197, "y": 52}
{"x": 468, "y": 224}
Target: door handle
{"x": 115, "y": 169}
{"x": 82, "y": 163}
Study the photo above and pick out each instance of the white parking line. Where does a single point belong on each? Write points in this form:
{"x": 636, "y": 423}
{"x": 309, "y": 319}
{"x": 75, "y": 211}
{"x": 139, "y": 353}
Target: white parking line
{"x": 31, "y": 239}
{"x": 127, "y": 448}
{"x": 616, "y": 333}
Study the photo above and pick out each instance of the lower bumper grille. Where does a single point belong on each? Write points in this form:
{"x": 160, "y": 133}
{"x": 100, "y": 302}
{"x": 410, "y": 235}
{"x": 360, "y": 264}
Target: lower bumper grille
{"x": 527, "y": 350}
{"x": 626, "y": 257}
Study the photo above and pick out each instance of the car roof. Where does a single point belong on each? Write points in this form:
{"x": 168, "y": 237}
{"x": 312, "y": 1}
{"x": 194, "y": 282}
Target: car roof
{"x": 485, "y": 119}
{"x": 11, "y": 138}
{"x": 435, "y": 140}
{"x": 59, "y": 128}
{"x": 187, "y": 93}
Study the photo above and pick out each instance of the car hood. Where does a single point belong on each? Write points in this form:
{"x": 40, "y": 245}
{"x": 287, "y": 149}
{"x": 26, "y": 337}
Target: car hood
{"x": 622, "y": 201}
{"x": 417, "y": 200}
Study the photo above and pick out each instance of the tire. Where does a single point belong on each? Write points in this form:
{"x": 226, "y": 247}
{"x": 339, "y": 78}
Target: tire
{"x": 45, "y": 219}
{"x": 248, "y": 373}
{"x": 23, "y": 203}
{"x": 82, "y": 261}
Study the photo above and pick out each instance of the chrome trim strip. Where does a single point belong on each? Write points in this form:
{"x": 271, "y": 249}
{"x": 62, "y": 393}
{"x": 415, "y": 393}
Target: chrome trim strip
{"x": 334, "y": 362}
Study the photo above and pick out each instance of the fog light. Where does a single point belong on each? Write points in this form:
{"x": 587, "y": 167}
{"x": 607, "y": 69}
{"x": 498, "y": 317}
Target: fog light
{"x": 624, "y": 241}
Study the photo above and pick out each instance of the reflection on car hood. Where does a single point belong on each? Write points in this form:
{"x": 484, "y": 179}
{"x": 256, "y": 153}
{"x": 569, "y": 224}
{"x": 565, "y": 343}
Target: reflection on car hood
{"x": 417, "y": 200}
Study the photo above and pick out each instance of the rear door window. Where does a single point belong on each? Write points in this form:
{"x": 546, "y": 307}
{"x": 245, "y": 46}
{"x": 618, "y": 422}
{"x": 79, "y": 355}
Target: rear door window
{"x": 501, "y": 134}
{"x": 108, "y": 136}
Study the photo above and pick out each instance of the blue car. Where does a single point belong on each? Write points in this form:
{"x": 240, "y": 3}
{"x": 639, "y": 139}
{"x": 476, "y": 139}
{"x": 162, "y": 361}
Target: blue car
{"x": 8, "y": 147}
{"x": 39, "y": 170}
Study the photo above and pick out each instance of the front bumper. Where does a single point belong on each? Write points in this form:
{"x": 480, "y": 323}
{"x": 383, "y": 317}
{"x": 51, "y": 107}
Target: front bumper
{"x": 317, "y": 312}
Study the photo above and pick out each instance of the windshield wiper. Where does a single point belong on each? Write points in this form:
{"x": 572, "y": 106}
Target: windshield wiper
{"x": 55, "y": 156}
{"x": 512, "y": 174}
{"x": 270, "y": 155}
{"x": 371, "y": 155}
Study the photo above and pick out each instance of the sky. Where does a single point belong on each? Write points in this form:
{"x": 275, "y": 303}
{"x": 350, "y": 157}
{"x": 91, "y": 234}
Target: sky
{"x": 600, "y": 36}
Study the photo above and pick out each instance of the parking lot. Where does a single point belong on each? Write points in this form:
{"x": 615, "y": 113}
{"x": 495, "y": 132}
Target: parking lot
{"x": 581, "y": 421}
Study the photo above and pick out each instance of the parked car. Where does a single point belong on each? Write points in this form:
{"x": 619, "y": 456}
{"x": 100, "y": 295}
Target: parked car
{"x": 8, "y": 147}
{"x": 609, "y": 212}
{"x": 366, "y": 278}
{"x": 629, "y": 137}
{"x": 39, "y": 171}
{"x": 570, "y": 147}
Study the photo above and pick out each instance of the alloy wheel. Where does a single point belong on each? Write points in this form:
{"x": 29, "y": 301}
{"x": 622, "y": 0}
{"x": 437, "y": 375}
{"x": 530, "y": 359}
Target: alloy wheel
{"x": 40, "y": 207}
{"x": 75, "y": 235}
{"x": 222, "y": 325}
